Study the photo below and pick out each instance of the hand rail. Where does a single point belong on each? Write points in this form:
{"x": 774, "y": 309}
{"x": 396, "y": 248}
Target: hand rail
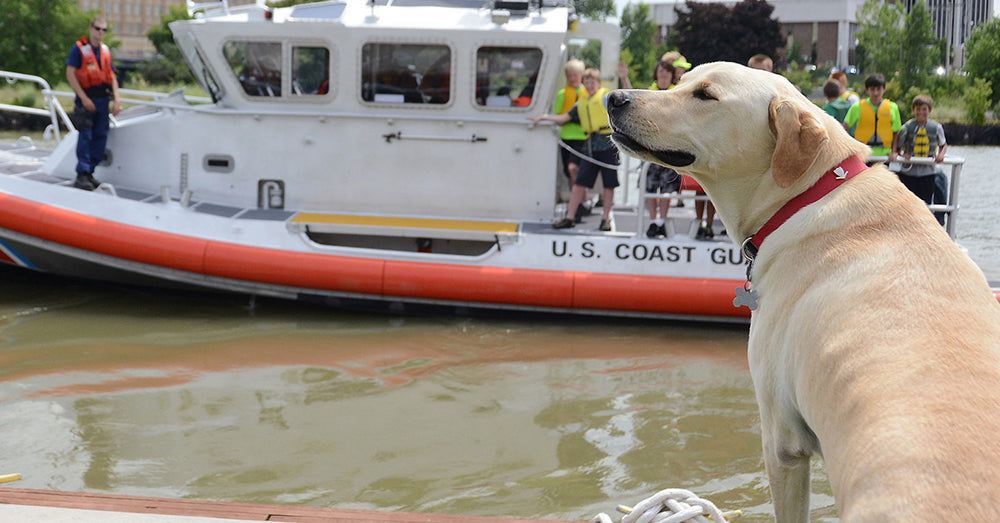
{"x": 53, "y": 110}
{"x": 949, "y": 208}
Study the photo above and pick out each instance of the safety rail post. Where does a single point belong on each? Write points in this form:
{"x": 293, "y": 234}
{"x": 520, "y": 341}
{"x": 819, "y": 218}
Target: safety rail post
{"x": 53, "y": 110}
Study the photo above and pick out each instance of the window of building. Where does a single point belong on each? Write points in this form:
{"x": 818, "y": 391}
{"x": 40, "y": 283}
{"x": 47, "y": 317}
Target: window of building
{"x": 257, "y": 66}
{"x": 310, "y": 70}
{"x": 406, "y": 73}
{"x": 506, "y": 76}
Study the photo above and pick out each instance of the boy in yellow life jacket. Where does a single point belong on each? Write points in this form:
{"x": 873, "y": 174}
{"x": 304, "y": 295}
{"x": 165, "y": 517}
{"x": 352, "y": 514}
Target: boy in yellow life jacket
{"x": 920, "y": 137}
{"x": 592, "y": 116}
{"x": 571, "y": 133}
{"x": 875, "y": 120}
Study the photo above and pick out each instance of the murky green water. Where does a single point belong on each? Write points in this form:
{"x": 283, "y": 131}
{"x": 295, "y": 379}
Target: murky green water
{"x": 140, "y": 392}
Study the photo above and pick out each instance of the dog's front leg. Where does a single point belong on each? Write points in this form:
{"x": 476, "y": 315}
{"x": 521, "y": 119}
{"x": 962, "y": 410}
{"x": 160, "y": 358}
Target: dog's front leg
{"x": 787, "y": 465}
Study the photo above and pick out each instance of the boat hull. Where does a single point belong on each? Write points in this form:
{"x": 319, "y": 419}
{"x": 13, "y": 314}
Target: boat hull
{"x": 52, "y": 239}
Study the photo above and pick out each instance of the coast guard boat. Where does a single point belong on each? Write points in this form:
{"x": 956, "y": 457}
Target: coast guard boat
{"x": 363, "y": 154}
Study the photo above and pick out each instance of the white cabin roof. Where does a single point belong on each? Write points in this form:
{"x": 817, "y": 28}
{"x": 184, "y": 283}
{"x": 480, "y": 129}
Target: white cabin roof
{"x": 430, "y": 15}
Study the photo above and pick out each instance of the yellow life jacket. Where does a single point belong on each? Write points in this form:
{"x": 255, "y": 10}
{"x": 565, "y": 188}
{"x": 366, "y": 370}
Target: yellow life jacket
{"x": 569, "y": 99}
{"x": 873, "y": 122}
{"x": 593, "y": 115}
{"x": 847, "y": 94}
{"x": 918, "y": 140}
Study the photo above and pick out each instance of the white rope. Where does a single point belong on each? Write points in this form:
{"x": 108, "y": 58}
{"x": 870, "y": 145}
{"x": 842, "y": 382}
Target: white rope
{"x": 670, "y": 506}
{"x": 578, "y": 154}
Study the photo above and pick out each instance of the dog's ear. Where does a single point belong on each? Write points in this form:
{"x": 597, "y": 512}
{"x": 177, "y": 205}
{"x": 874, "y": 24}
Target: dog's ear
{"x": 798, "y": 134}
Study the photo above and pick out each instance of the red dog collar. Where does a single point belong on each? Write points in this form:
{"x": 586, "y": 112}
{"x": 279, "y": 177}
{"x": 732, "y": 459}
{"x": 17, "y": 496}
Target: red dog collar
{"x": 830, "y": 180}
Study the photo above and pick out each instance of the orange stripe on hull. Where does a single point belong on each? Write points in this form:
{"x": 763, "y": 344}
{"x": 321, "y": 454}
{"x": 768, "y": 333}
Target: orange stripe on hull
{"x": 506, "y": 285}
{"x": 660, "y": 294}
{"x": 439, "y": 281}
{"x": 298, "y": 269}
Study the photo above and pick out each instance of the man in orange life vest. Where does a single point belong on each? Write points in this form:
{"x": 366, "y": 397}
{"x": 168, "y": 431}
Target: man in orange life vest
{"x": 92, "y": 77}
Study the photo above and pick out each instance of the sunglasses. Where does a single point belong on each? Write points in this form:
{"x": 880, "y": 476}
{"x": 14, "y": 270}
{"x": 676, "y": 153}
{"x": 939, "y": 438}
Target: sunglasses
{"x": 101, "y": 29}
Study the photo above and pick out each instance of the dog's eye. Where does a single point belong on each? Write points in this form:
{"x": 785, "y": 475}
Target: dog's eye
{"x": 702, "y": 94}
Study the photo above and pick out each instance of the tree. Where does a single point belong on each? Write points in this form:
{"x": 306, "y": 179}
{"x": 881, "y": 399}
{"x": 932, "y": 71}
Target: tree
{"x": 880, "y": 33}
{"x": 169, "y": 66}
{"x": 921, "y": 48}
{"x": 708, "y": 32}
{"x": 595, "y": 9}
{"x": 37, "y": 35}
{"x": 638, "y": 34}
{"x": 982, "y": 56}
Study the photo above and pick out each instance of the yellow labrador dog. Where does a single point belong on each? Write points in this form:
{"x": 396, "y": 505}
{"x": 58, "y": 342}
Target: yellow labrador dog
{"x": 876, "y": 341}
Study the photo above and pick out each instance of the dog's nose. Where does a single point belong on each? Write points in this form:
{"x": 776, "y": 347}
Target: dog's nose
{"x": 617, "y": 102}
{"x": 617, "y": 99}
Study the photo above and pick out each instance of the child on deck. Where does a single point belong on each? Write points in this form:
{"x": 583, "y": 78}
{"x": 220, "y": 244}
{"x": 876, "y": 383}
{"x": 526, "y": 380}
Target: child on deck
{"x": 875, "y": 120}
{"x": 920, "y": 137}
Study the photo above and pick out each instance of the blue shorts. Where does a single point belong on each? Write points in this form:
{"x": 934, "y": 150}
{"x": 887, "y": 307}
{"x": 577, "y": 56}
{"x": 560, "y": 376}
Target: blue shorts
{"x": 587, "y": 176}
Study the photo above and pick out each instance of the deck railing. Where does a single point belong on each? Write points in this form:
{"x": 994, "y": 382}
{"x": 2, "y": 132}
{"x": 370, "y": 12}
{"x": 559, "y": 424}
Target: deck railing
{"x": 949, "y": 208}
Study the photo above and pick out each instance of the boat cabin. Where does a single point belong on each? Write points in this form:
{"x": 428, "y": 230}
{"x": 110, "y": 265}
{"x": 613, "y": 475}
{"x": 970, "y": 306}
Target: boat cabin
{"x": 408, "y": 107}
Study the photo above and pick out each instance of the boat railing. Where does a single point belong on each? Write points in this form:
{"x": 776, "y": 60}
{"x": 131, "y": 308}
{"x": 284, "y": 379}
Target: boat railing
{"x": 949, "y": 208}
{"x": 52, "y": 109}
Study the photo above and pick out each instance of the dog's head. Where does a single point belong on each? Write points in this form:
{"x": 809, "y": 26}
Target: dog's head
{"x": 742, "y": 133}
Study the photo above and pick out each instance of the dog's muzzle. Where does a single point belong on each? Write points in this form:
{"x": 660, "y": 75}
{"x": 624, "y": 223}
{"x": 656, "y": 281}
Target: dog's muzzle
{"x": 619, "y": 104}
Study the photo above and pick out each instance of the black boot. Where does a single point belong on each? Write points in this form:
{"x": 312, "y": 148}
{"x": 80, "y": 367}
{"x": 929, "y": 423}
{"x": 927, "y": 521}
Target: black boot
{"x": 93, "y": 181}
{"x": 83, "y": 182}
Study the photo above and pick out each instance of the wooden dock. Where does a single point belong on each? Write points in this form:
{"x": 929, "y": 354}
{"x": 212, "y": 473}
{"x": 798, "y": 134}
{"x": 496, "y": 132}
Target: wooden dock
{"x": 189, "y": 508}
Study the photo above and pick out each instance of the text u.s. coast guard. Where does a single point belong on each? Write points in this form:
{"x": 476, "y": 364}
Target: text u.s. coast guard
{"x": 653, "y": 252}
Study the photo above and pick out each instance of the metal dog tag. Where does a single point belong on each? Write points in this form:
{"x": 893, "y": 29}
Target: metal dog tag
{"x": 745, "y": 297}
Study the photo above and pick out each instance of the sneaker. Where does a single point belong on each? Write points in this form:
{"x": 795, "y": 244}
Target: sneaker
{"x": 82, "y": 182}
{"x": 700, "y": 235}
{"x": 709, "y": 233}
{"x": 663, "y": 230}
{"x": 605, "y": 225}
{"x": 565, "y": 223}
{"x": 653, "y": 231}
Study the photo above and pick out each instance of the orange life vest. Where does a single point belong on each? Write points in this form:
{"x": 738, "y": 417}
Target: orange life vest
{"x": 90, "y": 73}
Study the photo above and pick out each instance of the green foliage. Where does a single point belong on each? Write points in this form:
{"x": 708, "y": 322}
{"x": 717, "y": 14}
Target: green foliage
{"x": 806, "y": 81}
{"x": 595, "y": 9}
{"x": 920, "y": 58}
{"x": 977, "y": 101}
{"x": 880, "y": 33}
{"x": 37, "y": 35}
{"x": 707, "y": 32}
{"x": 169, "y": 66}
{"x": 638, "y": 32}
{"x": 982, "y": 55}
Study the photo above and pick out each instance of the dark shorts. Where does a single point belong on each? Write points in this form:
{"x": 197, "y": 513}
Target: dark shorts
{"x": 588, "y": 171}
{"x": 568, "y": 157}
{"x": 662, "y": 179}
{"x": 922, "y": 186}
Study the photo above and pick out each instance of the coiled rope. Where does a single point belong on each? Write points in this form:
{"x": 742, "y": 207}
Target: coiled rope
{"x": 671, "y": 506}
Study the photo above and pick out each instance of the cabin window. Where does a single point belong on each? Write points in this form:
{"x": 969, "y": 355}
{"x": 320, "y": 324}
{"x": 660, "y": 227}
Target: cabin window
{"x": 310, "y": 70}
{"x": 257, "y": 65}
{"x": 406, "y": 73}
{"x": 506, "y": 76}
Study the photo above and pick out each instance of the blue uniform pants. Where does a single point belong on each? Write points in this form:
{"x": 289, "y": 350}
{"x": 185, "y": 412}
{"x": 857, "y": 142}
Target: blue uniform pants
{"x": 91, "y": 141}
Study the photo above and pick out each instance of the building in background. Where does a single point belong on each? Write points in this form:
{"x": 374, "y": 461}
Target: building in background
{"x": 130, "y": 20}
{"x": 826, "y": 29}
{"x": 954, "y": 21}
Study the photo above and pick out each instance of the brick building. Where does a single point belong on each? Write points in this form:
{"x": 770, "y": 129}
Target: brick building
{"x": 130, "y": 20}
